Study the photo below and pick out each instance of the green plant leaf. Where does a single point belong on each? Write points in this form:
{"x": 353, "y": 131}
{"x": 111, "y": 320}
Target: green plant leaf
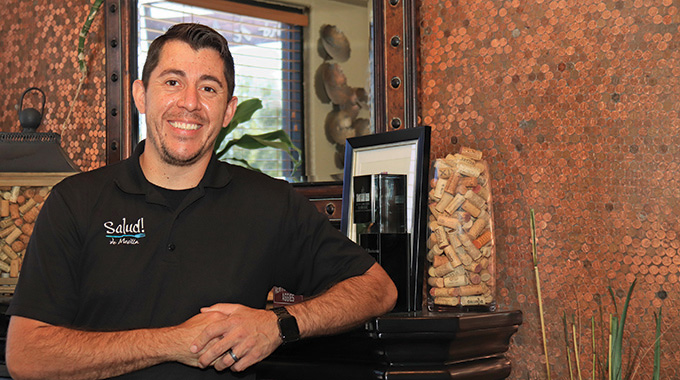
{"x": 657, "y": 347}
{"x": 83, "y": 35}
{"x": 244, "y": 112}
{"x": 245, "y": 163}
{"x": 277, "y": 139}
{"x": 617, "y": 345}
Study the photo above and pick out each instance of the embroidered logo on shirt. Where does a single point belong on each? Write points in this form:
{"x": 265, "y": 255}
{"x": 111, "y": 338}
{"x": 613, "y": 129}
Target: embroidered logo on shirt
{"x": 124, "y": 232}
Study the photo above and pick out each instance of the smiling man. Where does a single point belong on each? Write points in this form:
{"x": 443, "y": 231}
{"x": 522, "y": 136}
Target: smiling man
{"x": 158, "y": 267}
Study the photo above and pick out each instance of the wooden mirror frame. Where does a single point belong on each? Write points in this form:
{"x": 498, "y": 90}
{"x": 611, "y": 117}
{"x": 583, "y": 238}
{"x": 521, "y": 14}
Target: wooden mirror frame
{"x": 394, "y": 46}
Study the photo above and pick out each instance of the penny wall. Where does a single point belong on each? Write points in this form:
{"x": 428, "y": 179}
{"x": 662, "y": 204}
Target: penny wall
{"x": 575, "y": 104}
{"x": 38, "y": 48}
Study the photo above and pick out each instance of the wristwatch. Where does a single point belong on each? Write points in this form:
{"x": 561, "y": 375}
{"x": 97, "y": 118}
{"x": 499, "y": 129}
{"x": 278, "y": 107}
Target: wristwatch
{"x": 288, "y": 327}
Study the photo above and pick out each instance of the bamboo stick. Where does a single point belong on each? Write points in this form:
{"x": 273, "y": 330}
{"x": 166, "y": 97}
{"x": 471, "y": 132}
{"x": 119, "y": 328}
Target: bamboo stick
{"x": 592, "y": 331}
{"x": 538, "y": 288}
{"x": 576, "y": 352}
{"x": 566, "y": 345}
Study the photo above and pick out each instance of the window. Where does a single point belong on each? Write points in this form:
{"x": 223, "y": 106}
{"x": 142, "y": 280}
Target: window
{"x": 268, "y": 59}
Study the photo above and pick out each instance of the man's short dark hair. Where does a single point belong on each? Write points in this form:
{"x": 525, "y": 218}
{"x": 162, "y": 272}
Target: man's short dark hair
{"x": 198, "y": 36}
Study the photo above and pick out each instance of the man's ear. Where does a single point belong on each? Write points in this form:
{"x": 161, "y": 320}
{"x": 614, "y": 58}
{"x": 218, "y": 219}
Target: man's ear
{"x": 139, "y": 95}
{"x": 230, "y": 111}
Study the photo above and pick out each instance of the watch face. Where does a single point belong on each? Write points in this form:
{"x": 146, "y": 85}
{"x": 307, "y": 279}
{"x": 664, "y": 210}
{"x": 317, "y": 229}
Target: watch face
{"x": 289, "y": 329}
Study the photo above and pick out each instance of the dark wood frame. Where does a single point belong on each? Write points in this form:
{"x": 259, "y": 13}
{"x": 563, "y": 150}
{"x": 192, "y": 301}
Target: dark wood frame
{"x": 119, "y": 109}
{"x": 394, "y": 75}
{"x": 421, "y": 137}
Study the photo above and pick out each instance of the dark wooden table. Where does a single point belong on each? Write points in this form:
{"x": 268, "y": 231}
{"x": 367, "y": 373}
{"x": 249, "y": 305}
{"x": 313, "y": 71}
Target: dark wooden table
{"x": 404, "y": 346}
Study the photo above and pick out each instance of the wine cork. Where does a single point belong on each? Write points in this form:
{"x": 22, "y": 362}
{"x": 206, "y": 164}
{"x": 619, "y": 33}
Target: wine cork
{"x": 439, "y": 187}
{"x": 474, "y": 300}
{"x": 472, "y": 209}
{"x": 456, "y": 160}
{"x": 475, "y": 267}
{"x": 18, "y": 246}
{"x": 470, "y": 170}
{"x": 485, "y": 275}
{"x": 446, "y": 198}
{"x": 463, "y": 255}
{"x": 27, "y": 206}
{"x": 30, "y": 192}
{"x": 7, "y": 231}
{"x": 5, "y": 223}
{"x": 14, "y": 211}
{"x": 486, "y": 251}
{"x": 4, "y": 208}
{"x": 14, "y": 194}
{"x": 473, "y": 290}
{"x": 448, "y": 222}
{"x": 457, "y": 271}
{"x": 24, "y": 238}
{"x": 444, "y": 292}
{"x": 452, "y": 183}
{"x": 27, "y": 228}
{"x": 14, "y": 268}
{"x": 433, "y": 210}
{"x": 430, "y": 256}
{"x": 451, "y": 255}
{"x": 440, "y": 234}
{"x": 437, "y": 282}
{"x": 483, "y": 192}
{"x": 439, "y": 260}
{"x": 471, "y": 153}
{"x": 31, "y": 215}
{"x": 482, "y": 168}
{"x": 468, "y": 290}
{"x": 467, "y": 183}
{"x": 475, "y": 199}
{"x": 7, "y": 250}
{"x": 453, "y": 239}
{"x": 13, "y": 236}
{"x": 469, "y": 247}
{"x": 454, "y": 281}
{"x": 447, "y": 301}
{"x": 444, "y": 170}
{"x": 443, "y": 270}
{"x": 454, "y": 204}
{"x": 479, "y": 225}
{"x": 4, "y": 267}
{"x": 482, "y": 240}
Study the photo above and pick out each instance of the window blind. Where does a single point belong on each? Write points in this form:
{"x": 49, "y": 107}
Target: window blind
{"x": 268, "y": 60}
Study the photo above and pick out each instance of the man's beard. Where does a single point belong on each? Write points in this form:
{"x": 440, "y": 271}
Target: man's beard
{"x": 168, "y": 157}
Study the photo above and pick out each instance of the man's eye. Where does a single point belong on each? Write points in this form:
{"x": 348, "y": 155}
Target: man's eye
{"x": 172, "y": 82}
{"x": 209, "y": 89}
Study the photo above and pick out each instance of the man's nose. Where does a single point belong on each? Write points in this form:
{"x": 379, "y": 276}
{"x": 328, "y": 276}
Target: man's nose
{"x": 190, "y": 99}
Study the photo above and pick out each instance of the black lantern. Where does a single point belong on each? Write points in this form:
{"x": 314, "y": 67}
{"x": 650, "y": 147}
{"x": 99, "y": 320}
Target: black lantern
{"x": 31, "y": 151}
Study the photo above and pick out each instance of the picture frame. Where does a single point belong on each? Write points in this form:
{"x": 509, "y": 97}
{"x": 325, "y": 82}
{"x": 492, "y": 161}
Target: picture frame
{"x": 404, "y": 151}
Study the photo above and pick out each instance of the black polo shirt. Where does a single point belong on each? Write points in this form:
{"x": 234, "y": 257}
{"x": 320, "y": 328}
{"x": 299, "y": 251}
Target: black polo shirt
{"x": 108, "y": 253}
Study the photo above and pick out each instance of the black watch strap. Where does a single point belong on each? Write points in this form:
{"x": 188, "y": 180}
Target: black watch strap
{"x": 288, "y": 327}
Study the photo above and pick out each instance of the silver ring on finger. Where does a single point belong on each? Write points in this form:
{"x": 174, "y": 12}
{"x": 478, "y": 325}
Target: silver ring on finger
{"x": 233, "y": 355}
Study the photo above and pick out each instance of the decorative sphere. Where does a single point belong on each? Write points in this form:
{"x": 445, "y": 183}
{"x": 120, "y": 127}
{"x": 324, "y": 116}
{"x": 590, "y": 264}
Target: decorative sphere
{"x": 30, "y": 119}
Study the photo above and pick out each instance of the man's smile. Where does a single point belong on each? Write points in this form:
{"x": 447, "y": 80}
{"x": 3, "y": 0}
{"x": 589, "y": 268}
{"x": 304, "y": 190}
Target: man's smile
{"x": 185, "y": 126}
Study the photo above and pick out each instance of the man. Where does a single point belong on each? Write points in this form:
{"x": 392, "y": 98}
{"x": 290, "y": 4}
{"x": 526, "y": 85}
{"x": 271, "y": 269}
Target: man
{"x": 159, "y": 266}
